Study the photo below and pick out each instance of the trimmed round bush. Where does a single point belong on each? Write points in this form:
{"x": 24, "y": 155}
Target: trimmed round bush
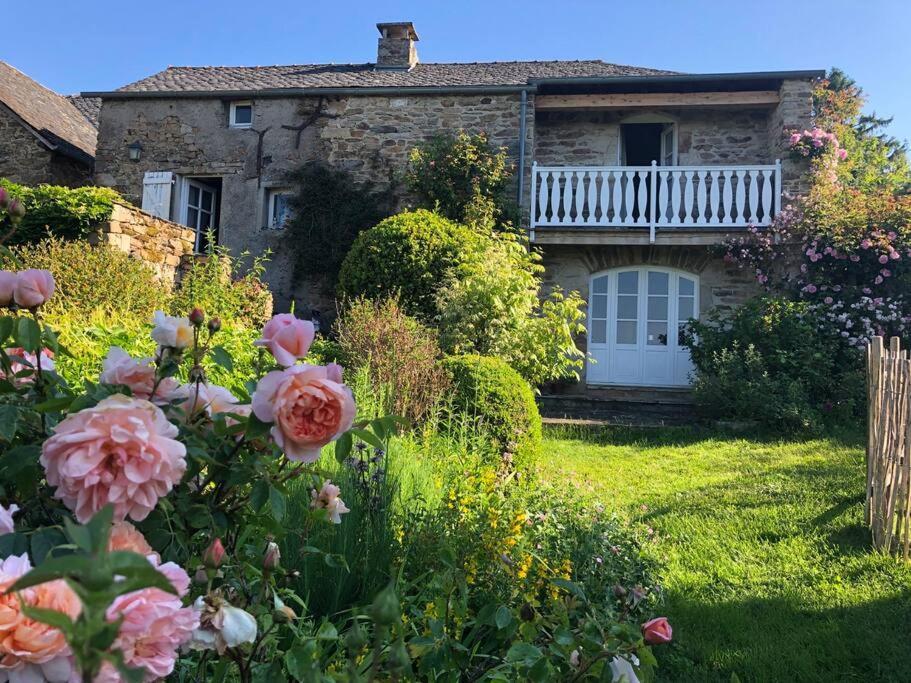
{"x": 488, "y": 390}
{"x": 407, "y": 256}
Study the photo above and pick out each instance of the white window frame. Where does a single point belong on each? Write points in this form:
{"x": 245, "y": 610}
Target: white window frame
{"x": 271, "y": 194}
{"x": 232, "y": 115}
{"x": 185, "y": 206}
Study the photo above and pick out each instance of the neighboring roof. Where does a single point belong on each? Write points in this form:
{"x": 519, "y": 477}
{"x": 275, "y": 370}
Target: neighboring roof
{"x": 52, "y": 117}
{"x": 89, "y": 107}
{"x": 201, "y": 79}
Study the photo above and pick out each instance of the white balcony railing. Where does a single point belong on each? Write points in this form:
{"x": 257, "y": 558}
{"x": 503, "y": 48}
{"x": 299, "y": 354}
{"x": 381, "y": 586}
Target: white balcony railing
{"x": 654, "y": 196}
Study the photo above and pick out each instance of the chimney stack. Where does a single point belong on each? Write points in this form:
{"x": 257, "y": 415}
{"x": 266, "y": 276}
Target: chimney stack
{"x": 396, "y": 48}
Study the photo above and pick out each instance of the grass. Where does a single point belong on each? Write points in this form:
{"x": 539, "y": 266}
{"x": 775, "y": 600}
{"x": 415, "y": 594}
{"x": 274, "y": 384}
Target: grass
{"x": 766, "y": 563}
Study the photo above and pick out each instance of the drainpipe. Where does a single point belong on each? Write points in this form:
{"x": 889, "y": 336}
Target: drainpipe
{"x": 523, "y": 109}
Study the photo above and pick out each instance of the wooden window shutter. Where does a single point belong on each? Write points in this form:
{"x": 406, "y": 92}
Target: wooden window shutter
{"x": 156, "y": 193}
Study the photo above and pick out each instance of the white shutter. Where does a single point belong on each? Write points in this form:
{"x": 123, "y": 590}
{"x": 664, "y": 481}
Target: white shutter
{"x": 156, "y": 193}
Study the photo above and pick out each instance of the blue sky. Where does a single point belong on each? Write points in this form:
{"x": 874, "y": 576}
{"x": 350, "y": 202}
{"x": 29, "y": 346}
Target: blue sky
{"x": 73, "y": 45}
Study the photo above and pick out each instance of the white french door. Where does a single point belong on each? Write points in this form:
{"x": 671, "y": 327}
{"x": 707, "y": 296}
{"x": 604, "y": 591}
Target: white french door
{"x": 636, "y": 316}
{"x": 199, "y": 210}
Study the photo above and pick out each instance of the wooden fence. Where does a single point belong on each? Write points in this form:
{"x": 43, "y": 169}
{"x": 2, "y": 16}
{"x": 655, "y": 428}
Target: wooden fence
{"x": 888, "y": 504}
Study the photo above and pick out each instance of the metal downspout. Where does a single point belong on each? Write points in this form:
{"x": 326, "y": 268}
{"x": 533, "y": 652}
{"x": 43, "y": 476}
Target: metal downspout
{"x": 523, "y": 110}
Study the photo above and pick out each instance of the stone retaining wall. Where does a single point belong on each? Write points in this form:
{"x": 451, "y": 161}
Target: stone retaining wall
{"x": 161, "y": 244}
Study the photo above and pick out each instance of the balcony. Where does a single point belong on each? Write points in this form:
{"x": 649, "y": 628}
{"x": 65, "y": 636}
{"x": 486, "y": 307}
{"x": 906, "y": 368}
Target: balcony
{"x": 599, "y": 198}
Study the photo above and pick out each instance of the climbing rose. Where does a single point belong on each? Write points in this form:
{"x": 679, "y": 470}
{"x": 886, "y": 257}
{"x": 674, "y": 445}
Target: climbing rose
{"x": 287, "y": 338}
{"x": 308, "y": 406}
{"x": 31, "y": 651}
{"x": 155, "y": 624}
{"x": 328, "y": 499}
{"x": 33, "y": 287}
{"x": 657, "y": 631}
{"x": 7, "y": 287}
{"x": 139, "y": 375}
{"x": 6, "y": 518}
{"x": 171, "y": 332}
{"x": 122, "y": 451}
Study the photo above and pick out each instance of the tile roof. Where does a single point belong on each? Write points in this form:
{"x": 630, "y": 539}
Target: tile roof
{"x": 253, "y": 78}
{"x": 52, "y": 116}
{"x": 89, "y": 107}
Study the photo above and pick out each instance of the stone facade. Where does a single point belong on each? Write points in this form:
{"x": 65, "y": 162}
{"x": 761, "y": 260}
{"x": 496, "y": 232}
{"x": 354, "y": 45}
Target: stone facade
{"x": 794, "y": 112}
{"x": 25, "y": 160}
{"x": 163, "y": 245}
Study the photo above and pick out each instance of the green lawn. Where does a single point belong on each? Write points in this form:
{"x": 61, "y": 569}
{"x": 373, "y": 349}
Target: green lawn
{"x": 764, "y": 557}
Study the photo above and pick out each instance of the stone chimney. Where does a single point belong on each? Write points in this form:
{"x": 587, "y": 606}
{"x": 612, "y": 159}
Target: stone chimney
{"x": 396, "y": 49}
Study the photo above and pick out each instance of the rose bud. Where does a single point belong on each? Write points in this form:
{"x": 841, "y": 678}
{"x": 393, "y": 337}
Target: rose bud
{"x": 201, "y": 577}
{"x": 33, "y": 287}
{"x": 197, "y": 317}
{"x": 283, "y": 615}
{"x": 7, "y": 287}
{"x": 4, "y": 197}
{"x": 657, "y": 631}
{"x": 272, "y": 556}
{"x": 214, "y": 555}
{"x": 15, "y": 209}
{"x": 214, "y": 325}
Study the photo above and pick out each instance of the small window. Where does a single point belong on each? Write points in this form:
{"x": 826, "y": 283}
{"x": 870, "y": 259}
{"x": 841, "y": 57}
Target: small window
{"x": 241, "y": 115}
{"x": 279, "y": 209}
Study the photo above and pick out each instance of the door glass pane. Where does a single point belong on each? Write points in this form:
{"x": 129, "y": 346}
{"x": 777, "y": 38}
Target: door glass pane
{"x": 192, "y": 217}
{"x": 657, "y": 308}
{"x": 685, "y": 310}
{"x": 193, "y": 196}
{"x": 657, "y": 334}
{"x": 657, "y": 282}
{"x": 626, "y": 331}
{"x": 599, "y": 286}
{"x": 687, "y": 286}
{"x": 205, "y": 220}
{"x": 628, "y": 282}
{"x": 599, "y": 306}
{"x": 207, "y": 201}
{"x": 626, "y": 307}
{"x": 599, "y": 331}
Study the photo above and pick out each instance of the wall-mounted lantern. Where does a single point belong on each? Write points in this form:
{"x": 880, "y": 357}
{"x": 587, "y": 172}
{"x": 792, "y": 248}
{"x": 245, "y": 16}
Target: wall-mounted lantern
{"x": 135, "y": 151}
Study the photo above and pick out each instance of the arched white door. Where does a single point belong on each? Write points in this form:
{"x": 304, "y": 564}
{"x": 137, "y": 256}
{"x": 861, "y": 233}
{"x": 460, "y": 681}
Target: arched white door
{"x": 634, "y": 326}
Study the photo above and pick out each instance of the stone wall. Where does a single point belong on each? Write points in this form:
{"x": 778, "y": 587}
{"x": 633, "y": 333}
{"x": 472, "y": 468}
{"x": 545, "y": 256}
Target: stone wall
{"x": 794, "y": 112}
{"x": 161, "y": 244}
{"x": 24, "y": 160}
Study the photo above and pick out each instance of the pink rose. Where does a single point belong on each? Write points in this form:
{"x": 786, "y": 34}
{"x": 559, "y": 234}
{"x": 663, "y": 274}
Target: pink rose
{"x": 6, "y": 518}
{"x": 657, "y": 631}
{"x": 7, "y": 287}
{"x": 210, "y": 398}
{"x": 795, "y": 138}
{"x": 308, "y": 405}
{"x": 327, "y": 498}
{"x": 24, "y": 365}
{"x": 33, "y": 288}
{"x": 124, "y": 536}
{"x": 122, "y": 451}
{"x": 883, "y": 259}
{"x": 139, "y": 375}
{"x": 842, "y": 154}
{"x": 288, "y": 338}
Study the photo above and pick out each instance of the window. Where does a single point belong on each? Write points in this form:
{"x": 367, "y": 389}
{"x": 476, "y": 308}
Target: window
{"x": 279, "y": 208}
{"x": 201, "y": 198}
{"x": 241, "y": 115}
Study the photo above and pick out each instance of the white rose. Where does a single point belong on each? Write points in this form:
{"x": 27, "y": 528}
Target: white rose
{"x": 171, "y": 331}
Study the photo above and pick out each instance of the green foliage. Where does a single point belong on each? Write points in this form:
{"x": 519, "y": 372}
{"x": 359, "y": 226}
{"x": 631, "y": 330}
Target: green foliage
{"x": 495, "y": 396}
{"x": 224, "y": 287}
{"x": 398, "y": 354}
{"x": 772, "y": 362}
{"x": 408, "y": 255}
{"x": 464, "y": 178}
{"x": 330, "y": 210}
{"x": 68, "y": 213}
{"x": 490, "y": 306}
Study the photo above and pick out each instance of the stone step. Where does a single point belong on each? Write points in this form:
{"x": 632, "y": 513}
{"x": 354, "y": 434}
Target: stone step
{"x": 584, "y": 410}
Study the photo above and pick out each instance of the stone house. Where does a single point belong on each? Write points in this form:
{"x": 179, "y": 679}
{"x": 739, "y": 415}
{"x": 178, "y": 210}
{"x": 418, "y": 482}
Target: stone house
{"x": 45, "y": 137}
{"x": 627, "y": 175}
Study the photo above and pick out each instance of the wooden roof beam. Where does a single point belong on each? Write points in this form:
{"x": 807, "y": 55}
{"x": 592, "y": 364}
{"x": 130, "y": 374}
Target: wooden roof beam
{"x": 746, "y": 98}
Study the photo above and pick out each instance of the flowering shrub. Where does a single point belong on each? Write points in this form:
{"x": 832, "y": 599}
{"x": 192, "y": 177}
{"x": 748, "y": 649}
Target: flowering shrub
{"x": 810, "y": 144}
{"x": 116, "y": 494}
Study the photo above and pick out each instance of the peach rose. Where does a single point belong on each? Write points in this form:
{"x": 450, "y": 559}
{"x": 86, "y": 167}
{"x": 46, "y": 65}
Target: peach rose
{"x": 33, "y": 287}
{"x": 288, "y": 338}
{"x": 31, "y": 650}
{"x": 122, "y": 451}
{"x": 172, "y": 332}
{"x": 308, "y": 405}
{"x": 7, "y": 287}
{"x": 23, "y": 361}
{"x": 210, "y": 398}
{"x": 119, "y": 367}
{"x": 657, "y": 631}
{"x": 124, "y": 536}
{"x": 327, "y": 498}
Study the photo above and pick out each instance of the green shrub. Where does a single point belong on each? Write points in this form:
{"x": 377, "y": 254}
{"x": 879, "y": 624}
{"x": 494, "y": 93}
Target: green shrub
{"x": 398, "y": 353}
{"x": 93, "y": 279}
{"x": 408, "y": 255}
{"x": 464, "y": 178}
{"x": 223, "y": 287}
{"x": 489, "y": 391}
{"x": 65, "y": 212}
{"x": 773, "y": 362}
{"x": 330, "y": 210}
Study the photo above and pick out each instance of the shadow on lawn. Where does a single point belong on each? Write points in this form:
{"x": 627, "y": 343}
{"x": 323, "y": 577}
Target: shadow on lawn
{"x": 777, "y": 640}
{"x": 651, "y": 437}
